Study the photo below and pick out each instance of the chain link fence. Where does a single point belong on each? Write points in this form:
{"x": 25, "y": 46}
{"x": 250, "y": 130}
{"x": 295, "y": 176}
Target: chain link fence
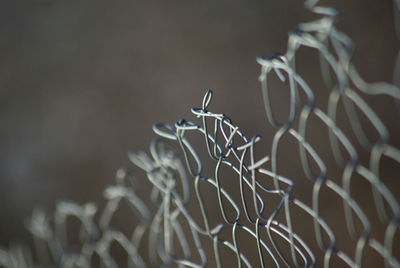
{"x": 226, "y": 204}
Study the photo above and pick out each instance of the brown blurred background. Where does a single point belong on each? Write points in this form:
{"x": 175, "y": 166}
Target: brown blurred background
{"x": 82, "y": 82}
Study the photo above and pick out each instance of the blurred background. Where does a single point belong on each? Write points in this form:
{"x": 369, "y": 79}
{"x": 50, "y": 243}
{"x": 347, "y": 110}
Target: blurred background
{"x": 82, "y": 82}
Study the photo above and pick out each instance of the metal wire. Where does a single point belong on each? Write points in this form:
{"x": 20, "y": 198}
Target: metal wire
{"x": 171, "y": 231}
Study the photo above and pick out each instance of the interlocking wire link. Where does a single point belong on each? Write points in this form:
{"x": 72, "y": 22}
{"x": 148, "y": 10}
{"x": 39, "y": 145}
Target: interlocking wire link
{"x": 175, "y": 234}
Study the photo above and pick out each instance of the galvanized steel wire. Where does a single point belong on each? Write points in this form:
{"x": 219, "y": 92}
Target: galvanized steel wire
{"x": 176, "y": 176}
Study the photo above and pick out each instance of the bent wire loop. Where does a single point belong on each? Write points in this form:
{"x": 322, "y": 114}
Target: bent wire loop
{"x": 172, "y": 233}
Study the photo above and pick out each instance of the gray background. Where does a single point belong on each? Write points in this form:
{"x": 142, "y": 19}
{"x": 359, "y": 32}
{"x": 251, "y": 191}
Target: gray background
{"x": 82, "y": 82}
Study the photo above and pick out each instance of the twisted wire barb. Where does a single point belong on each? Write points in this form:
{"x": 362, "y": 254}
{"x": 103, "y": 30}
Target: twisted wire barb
{"x": 173, "y": 233}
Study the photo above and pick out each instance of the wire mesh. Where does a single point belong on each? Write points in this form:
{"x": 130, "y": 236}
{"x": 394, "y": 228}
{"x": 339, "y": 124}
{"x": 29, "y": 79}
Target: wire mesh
{"x": 174, "y": 233}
